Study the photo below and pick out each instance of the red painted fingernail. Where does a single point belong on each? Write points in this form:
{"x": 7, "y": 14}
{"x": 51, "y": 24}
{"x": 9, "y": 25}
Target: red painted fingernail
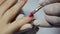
{"x": 31, "y": 14}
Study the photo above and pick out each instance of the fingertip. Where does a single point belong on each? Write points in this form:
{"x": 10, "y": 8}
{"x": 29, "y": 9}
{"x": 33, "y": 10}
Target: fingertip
{"x": 41, "y": 23}
{"x": 26, "y": 26}
{"x": 29, "y": 17}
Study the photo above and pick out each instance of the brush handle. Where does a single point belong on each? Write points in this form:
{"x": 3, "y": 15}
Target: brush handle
{"x": 36, "y": 10}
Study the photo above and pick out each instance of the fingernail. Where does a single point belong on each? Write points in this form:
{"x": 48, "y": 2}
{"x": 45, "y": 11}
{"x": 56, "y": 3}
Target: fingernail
{"x": 31, "y": 14}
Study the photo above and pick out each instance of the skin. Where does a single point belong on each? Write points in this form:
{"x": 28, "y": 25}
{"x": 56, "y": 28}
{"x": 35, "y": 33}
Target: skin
{"x": 52, "y": 11}
{"x": 52, "y": 14}
{"x": 7, "y": 12}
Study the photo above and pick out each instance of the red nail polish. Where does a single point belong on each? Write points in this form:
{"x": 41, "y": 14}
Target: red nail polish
{"x": 31, "y": 14}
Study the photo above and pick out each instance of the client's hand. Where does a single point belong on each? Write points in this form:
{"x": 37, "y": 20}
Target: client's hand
{"x": 8, "y": 11}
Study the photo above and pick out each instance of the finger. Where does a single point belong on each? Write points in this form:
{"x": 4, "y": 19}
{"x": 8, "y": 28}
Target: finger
{"x": 26, "y": 26}
{"x": 2, "y": 1}
{"x": 20, "y": 17}
{"x": 6, "y": 5}
{"x": 30, "y": 31}
{"x": 46, "y": 2}
{"x": 34, "y": 30}
{"x": 17, "y": 24}
{"x": 11, "y": 13}
{"x": 54, "y": 20}
{"x": 40, "y": 22}
{"x": 52, "y": 9}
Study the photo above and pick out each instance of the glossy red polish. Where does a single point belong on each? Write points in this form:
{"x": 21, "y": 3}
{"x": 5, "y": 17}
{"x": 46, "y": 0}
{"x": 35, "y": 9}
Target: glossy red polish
{"x": 31, "y": 14}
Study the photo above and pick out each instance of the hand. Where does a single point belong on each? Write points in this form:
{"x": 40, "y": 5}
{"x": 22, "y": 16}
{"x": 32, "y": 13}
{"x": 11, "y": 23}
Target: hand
{"x": 8, "y": 11}
{"x": 52, "y": 11}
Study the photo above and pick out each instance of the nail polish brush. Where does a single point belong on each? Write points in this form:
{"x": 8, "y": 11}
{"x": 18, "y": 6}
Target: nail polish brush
{"x": 34, "y": 11}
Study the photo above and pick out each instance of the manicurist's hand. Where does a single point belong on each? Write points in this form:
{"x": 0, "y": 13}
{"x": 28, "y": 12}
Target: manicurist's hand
{"x": 52, "y": 10}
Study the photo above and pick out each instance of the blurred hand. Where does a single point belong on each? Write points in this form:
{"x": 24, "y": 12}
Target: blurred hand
{"x": 8, "y": 11}
{"x": 52, "y": 11}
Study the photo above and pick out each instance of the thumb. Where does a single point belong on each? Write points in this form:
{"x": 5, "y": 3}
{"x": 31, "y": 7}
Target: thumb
{"x": 52, "y": 9}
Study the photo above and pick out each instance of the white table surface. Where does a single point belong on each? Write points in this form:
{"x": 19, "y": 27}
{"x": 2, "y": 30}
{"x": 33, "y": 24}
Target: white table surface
{"x": 30, "y": 6}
